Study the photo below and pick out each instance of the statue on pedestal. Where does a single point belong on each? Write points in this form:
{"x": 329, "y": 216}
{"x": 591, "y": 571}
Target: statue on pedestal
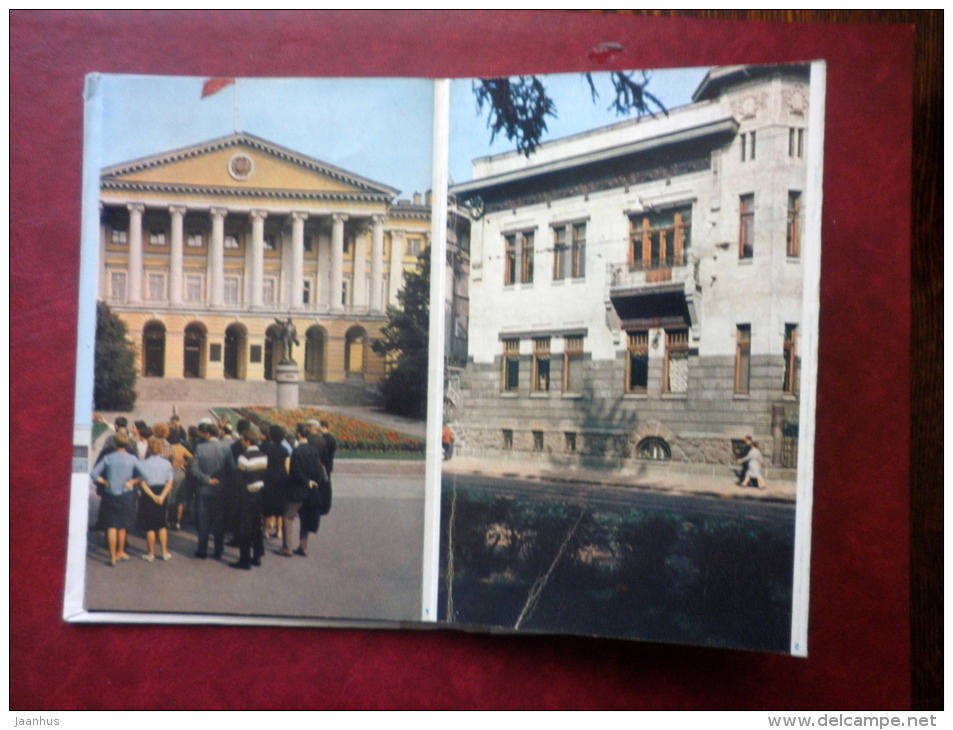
{"x": 288, "y": 337}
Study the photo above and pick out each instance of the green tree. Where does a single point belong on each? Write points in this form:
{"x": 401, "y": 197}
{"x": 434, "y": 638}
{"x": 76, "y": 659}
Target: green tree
{"x": 404, "y": 342}
{"x": 115, "y": 363}
{"x": 519, "y": 106}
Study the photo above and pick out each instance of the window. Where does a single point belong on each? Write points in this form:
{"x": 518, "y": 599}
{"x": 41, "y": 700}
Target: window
{"x": 676, "y": 361}
{"x": 659, "y": 239}
{"x": 231, "y": 285}
{"x": 195, "y": 239}
{"x": 538, "y": 441}
{"x": 507, "y": 439}
{"x": 653, "y": 448}
{"x": 637, "y": 363}
{"x": 117, "y": 286}
{"x": 231, "y": 241}
{"x": 794, "y": 223}
{"x": 748, "y": 149}
{"x": 509, "y": 265}
{"x": 306, "y": 292}
{"x": 743, "y": 358}
{"x": 791, "y": 362}
{"x": 511, "y": 365}
{"x": 119, "y": 236}
{"x": 268, "y": 291}
{"x": 526, "y": 270}
{"x": 570, "y": 442}
{"x": 569, "y": 256}
{"x": 541, "y": 361}
{"x": 414, "y": 246}
{"x": 157, "y": 238}
{"x": 308, "y": 243}
{"x": 572, "y": 364}
{"x": 518, "y": 246}
{"x": 579, "y": 250}
{"x": 746, "y": 227}
{"x": 795, "y": 142}
{"x": 193, "y": 288}
{"x": 269, "y": 243}
{"x": 345, "y": 290}
{"x": 560, "y": 253}
{"x": 156, "y": 287}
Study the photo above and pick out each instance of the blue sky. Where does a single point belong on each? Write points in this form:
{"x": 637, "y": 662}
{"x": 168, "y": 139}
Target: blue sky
{"x": 378, "y": 128}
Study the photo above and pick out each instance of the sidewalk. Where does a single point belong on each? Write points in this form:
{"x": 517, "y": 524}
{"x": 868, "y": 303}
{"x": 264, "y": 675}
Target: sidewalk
{"x": 664, "y": 479}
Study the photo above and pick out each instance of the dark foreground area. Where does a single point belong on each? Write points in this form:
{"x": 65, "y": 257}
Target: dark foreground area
{"x": 671, "y": 569}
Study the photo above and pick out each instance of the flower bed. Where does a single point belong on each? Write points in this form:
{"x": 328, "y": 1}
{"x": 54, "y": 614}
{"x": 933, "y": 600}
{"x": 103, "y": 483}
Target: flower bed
{"x": 354, "y": 437}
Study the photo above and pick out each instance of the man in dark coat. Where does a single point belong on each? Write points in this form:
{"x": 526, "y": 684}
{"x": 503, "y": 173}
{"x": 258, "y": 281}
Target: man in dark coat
{"x": 211, "y": 468}
{"x": 306, "y": 472}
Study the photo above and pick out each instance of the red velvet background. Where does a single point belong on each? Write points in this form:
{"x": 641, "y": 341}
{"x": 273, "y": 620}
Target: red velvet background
{"x": 859, "y": 632}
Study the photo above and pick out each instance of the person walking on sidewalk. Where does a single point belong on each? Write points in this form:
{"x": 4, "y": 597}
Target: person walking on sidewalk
{"x": 754, "y": 461}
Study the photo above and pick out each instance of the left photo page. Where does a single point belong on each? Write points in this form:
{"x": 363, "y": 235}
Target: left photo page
{"x": 254, "y": 292}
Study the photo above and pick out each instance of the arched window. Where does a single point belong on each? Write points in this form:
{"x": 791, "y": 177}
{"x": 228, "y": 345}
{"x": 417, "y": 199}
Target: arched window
{"x": 236, "y": 339}
{"x": 314, "y": 363}
{"x": 193, "y": 365}
{"x": 355, "y": 343}
{"x": 653, "y": 448}
{"x": 153, "y": 350}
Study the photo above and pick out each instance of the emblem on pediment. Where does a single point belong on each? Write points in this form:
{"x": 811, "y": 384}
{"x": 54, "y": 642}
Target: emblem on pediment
{"x": 241, "y": 166}
{"x": 747, "y": 106}
{"x": 795, "y": 100}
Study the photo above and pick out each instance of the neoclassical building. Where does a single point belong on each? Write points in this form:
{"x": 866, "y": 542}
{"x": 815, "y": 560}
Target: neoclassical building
{"x": 203, "y": 248}
{"x": 636, "y": 291}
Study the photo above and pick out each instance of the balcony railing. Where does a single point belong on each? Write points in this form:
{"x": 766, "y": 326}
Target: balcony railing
{"x": 642, "y": 272}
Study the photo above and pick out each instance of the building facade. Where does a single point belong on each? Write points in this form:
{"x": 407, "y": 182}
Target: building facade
{"x": 202, "y": 249}
{"x": 636, "y": 290}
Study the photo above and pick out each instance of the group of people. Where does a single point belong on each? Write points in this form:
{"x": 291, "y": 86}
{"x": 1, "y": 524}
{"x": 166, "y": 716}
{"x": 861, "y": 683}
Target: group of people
{"x": 236, "y": 481}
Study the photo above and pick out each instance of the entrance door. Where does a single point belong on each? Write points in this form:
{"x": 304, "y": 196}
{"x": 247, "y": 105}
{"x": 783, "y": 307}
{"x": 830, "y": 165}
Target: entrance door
{"x": 234, "y": 358}
{"x": 153, "y": 337}
{"x": 194, "y": 363}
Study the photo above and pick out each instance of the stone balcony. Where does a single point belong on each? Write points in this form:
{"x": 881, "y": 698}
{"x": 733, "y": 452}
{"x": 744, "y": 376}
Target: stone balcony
{"x": 654, "y": 293}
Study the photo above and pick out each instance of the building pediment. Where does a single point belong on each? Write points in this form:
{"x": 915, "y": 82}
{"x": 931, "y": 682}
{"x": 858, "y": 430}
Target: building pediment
{"x": 242, "y": 164}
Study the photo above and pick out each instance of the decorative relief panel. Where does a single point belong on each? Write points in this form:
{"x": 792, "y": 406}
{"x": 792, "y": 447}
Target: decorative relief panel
{"x": 795, "y": 100}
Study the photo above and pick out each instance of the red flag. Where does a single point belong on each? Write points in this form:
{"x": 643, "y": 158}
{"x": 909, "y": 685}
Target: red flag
{"x": 215, "y": 84}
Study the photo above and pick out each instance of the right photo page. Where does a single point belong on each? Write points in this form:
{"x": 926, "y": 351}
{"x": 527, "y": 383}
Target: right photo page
{"x": 631, "y": 349}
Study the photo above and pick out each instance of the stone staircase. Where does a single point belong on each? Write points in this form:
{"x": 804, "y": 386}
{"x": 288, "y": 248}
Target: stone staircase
{"x": 250, "y": 393}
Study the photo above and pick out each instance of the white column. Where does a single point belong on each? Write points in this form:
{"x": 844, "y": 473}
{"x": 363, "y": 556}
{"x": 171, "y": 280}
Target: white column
{"x": 216, "y": 258}
{"x": 135, "y": 252}
{"x": 257, "y": 255}
{"x": 377, "y": 263}
{"x": 175, "y": 254}
{"x": 396, "y": 265}
{"x": 297, "y": 259}
{"x": 359, "y": 272}
{"x": 337, "y": 260}
{"x": 323, "y": 295}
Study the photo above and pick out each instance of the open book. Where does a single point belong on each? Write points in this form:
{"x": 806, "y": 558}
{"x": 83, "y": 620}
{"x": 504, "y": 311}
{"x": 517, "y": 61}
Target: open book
{"x": 557, "y": 362}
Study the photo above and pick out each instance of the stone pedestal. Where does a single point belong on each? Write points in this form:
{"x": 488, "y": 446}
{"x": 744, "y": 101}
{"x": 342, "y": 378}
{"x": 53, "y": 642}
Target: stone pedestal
{"x": 287, "y": 376}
